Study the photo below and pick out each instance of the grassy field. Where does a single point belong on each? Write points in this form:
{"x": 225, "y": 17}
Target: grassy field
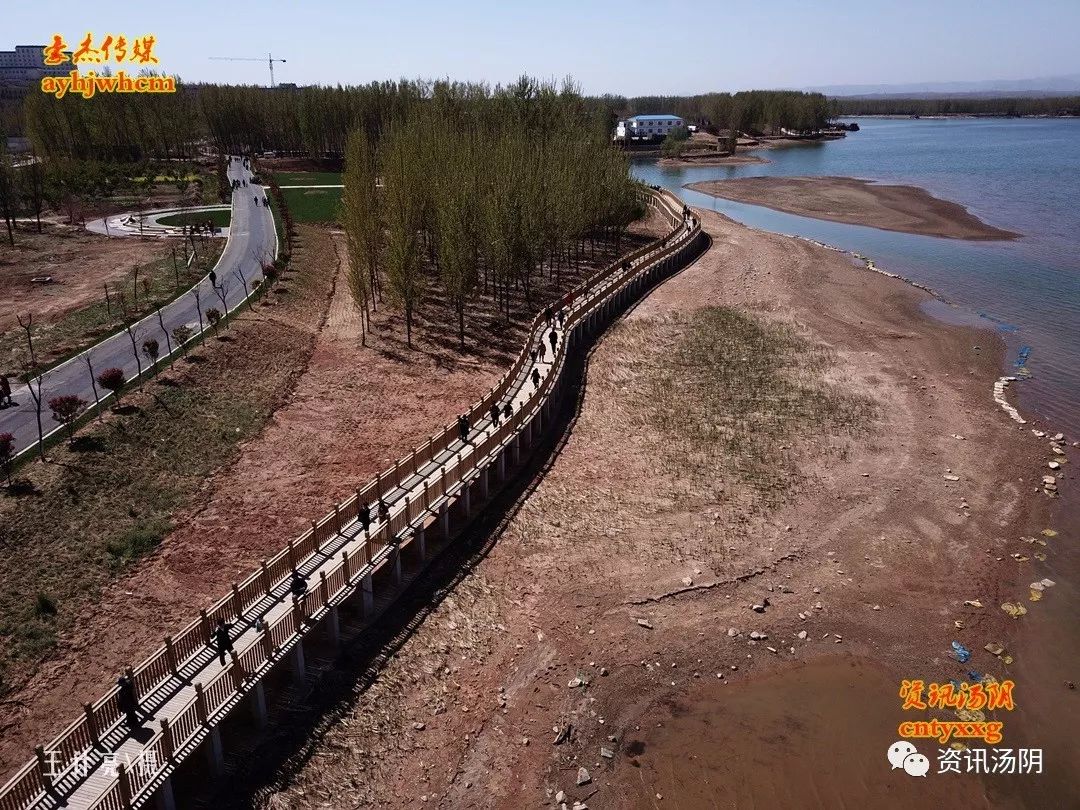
{"x": 308, "y": 178}
{"x": 220, "y": 218}
{"x": 313, "y": 204}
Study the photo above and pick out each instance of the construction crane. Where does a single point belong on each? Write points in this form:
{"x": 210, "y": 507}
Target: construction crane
{"x": 269, "y": 60}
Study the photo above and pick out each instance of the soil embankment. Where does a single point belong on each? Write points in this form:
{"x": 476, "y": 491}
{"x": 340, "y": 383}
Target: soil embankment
{"x": 907, "y": 209}
{"x": 865, "y": 491}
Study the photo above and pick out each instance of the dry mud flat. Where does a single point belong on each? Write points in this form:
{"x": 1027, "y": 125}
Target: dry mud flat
{"x": 907, "y": 209}
{"x": 863, "y": 489}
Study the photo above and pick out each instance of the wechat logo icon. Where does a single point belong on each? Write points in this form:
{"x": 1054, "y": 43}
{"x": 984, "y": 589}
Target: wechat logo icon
{"x": 903, "y": 754}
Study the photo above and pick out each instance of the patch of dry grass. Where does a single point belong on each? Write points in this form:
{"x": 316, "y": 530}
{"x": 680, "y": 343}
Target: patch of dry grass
{"x": 731, "y": 395}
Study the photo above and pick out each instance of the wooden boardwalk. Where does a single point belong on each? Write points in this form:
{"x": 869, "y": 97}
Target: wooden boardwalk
{"x": 187, "y": 689}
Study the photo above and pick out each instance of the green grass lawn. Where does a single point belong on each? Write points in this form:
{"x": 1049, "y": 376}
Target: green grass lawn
{"x": 219, "y": 218}
{"x": 313, "y": 204}
{"x": 308, "y": 178}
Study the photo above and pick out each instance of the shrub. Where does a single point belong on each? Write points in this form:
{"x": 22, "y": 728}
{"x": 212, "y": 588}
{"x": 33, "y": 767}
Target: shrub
{"x": 182, "y": 334}
{"x": 214, "y": 316}
{"x": 44, "y": 605}
{"x": 112, "y": 379}
{"x": 151, "y": 349}
{"x": 66, "y": 409}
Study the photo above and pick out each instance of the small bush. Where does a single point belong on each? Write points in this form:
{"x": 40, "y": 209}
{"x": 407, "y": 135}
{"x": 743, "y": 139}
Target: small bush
{"x": 112, "y": 379}
{"x": 44, "y": 605}
{"x": 182, "y": 334}
{"x": 66, "y": 409}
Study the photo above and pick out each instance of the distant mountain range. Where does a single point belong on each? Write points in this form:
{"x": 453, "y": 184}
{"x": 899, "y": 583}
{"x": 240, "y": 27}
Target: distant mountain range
{"x": 1047, "y": 86}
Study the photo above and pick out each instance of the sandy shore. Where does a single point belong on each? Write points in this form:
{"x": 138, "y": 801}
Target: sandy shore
{"x": 711, "y": 158}
{"x": 907, "y": 209}
{"x": 608, "y": 627}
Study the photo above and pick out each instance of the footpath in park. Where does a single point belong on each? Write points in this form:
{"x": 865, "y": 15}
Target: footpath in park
{"x": 252, "y": 241}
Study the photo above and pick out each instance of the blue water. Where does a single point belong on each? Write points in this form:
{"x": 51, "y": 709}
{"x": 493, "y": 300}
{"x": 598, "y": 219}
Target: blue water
{"x": 1020, "y": 175}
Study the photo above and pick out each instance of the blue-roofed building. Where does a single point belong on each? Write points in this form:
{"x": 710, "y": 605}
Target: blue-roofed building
{"x": 647, "y": 127}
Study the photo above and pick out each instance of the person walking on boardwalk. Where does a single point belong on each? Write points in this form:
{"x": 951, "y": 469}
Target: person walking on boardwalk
{"x": 533, "y": 353}
{"x": 536, "y": 377}
{"x": 383, "y": 511}
{"x": 365, "y": 517}
{"x": 222, "y": 640}
{"x": 127, "y": 701}
{"x": 298, "y": 586}
{"x": 549, "y": 315}
{"x": 508, "y": 411}
{"x": 494, "y": 415}
{"x": 562, "y": 318}
{"x": 5, "y": 392}
{"x": 541, "y": 349}
{"x": 554, "y": 338}
{"x": 463, "y": 427}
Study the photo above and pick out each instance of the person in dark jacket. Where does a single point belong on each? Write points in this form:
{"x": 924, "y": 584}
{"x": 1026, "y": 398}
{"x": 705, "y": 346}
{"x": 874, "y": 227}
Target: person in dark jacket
{"x": 127, "y": 701}
{"x": 495, "y": 415}
{"x": 549, "y": 315}
{"x": 463, "y": 427}
{"x": 508, "y": 410}
{"x": 222, "y": 640}
{"x": 562, "y": 318}
{"x": 5, "y": 392}
{"x": 554, "y": 338}
{"x": 536, "y": 378}
{"x": 384, "y": 511}
{"x": 298, "y": 586}
{"x": 365, "y": 517}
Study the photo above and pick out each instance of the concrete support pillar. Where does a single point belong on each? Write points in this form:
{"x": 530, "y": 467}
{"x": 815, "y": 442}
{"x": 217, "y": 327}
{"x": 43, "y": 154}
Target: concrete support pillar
{"x": 421, "y": 543}
{"x": 444, "y": 522}
{"x": 298, "y": 665}
{"x": 502, "y": 464}
{"x": 395, "y": 561}
{"x": 258, "y": 705}
{"x": 215, "y": 754}
{"x": 484, "y": 483}
{"x": 367, "y": 592}
{"x": 516, "y": 445}
{"x": 466, "y": 499}
{"x": 165, "y": 799}
{"x": 333, "y": 625}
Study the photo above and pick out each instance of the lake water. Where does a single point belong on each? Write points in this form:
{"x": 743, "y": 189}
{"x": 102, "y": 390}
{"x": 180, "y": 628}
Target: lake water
{"x": 1020, "y": 175}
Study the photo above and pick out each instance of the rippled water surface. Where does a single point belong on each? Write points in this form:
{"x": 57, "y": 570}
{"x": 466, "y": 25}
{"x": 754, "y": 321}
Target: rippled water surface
{"x": 1020, "y": 175}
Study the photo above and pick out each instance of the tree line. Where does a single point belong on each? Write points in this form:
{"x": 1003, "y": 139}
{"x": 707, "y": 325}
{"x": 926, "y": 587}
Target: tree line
{"x": 313, "y": 121}
{"x": 757, "y": 112}
{"x": 479, "y": 193}
{"x": 972, "y": 105}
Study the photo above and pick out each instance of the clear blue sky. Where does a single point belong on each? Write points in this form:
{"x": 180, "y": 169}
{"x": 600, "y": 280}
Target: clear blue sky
{"x": 621, "y": 46}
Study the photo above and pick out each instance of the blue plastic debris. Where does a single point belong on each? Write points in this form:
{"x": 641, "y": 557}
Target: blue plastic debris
{"x": 962, "y": 652}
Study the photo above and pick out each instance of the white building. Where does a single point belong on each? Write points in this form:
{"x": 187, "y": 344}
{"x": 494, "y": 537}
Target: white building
{"x": 647, "y": 127}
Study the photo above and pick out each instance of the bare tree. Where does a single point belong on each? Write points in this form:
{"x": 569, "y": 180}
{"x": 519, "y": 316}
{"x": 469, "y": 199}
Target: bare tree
{"x": 134, "y": 347}
{"x": 161, "y": 323}
{"x": 93, "y": 384}
{"x": 29, "y": 337}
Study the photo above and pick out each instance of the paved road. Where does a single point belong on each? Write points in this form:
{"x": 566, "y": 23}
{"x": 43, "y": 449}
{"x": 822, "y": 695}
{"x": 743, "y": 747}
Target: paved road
{"x": 252, "y": 240}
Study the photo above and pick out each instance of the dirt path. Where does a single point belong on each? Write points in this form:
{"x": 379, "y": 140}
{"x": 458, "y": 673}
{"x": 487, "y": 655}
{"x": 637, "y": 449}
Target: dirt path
{"x": 615, "y": 608}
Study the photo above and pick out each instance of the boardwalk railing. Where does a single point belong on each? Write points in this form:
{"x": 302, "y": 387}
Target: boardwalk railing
{"x": 79, "y": 768}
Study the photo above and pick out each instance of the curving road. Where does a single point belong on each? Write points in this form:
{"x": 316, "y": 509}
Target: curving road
{"x": 252, "y": 241}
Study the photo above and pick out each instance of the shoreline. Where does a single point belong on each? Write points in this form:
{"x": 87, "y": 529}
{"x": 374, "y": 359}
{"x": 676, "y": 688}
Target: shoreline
{"x": 854, "y": 201}
{"x": 868, "y": 554}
